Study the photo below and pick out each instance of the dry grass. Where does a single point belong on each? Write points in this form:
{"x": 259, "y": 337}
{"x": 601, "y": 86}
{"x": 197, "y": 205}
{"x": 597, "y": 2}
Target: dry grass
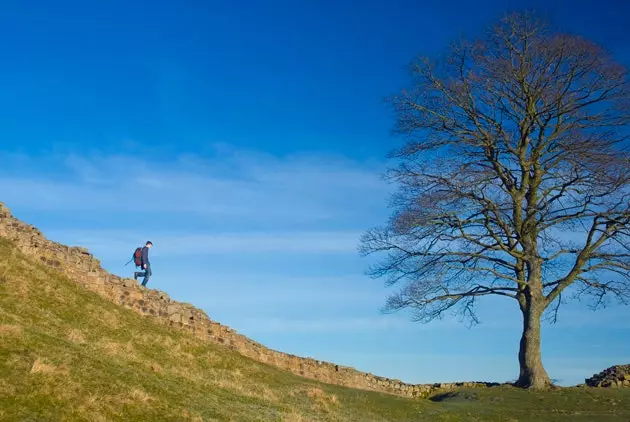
{"x": 107, "y": 317}
{"x": 91, "y": 403}
{"x": 43, "y": 366}
{"x": 156, "y": 367}
{"x": 140, "y": 396}
{"x": 322, "y": 401}
{"x": 53, "y": 292}
{"x": 93, "y": 407}
{"x": 7, "y": 330}
{"x": 14, "y": 361}
{"x": 145, "y": 339}
{"x": 176, "y": 351}
{"x": 117, "y": 349}
{"x": 167, "y": 341}
{"x": 187, "y": 373}
{"x": 20, "y": 287}
{"x": 192, "y": 417}
{"x": 97, "y": 417}
{"x": 235, "y": 381}
{"x": 76, "y": 336}
{"x": 294, "y": 416}
{"x": 6, "y": 389}
{"x": 319, "y": 394}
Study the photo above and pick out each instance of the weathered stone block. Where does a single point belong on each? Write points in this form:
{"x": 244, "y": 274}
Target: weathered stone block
{"x": 135, "y": 295}
{"x": 175, "y": 308}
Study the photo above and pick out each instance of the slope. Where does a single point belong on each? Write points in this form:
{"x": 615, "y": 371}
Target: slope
{"x": 66, "y": 353}
{"x": 80, "y": 266}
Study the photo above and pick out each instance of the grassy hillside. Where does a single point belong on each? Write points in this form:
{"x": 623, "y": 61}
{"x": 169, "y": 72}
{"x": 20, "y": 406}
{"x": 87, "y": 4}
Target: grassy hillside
{"x": 67, "y": 354}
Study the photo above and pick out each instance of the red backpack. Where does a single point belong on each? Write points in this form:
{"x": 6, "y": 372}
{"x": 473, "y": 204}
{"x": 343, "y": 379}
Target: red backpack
{"x": 136, "y": 257}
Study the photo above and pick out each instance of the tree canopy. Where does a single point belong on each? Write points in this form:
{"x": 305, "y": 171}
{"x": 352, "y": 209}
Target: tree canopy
{"x": 513, "y": 179}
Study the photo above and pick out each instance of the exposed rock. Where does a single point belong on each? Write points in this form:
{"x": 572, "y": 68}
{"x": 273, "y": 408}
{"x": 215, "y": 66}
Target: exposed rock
{"x": 615, "y": 376}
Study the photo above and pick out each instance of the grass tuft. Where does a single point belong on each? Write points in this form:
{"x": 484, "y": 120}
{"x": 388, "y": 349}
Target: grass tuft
{"x": 43, "y": 366}
{"x": 76, "y": 336}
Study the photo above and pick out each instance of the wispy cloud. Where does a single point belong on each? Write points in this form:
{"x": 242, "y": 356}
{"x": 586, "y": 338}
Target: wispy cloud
{"x": 114, "y": 241}
{"x": 272, "y": 292}
{"x": 329, "y": 325}
{"x": 576, "y": 315}
{"x": 232, "y": 184}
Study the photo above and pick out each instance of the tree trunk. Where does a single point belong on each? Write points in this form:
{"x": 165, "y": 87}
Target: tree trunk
{"x": 532, "y": 372}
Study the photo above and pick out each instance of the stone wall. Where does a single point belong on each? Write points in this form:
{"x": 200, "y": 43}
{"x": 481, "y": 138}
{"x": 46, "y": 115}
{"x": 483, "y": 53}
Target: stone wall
{"x": 83, "y": 268}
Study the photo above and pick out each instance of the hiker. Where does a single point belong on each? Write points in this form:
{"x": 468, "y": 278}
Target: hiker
{"x": 144, "y": 264}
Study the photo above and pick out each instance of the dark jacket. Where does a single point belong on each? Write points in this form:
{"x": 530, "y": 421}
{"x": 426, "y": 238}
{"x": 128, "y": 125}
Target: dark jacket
{"x": 145, "y": 256}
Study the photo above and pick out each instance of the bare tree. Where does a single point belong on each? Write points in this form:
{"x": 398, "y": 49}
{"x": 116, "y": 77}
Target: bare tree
{"x": 513, "y": 180}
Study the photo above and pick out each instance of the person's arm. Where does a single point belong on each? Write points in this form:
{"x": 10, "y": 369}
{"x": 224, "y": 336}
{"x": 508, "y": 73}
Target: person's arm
{"x": 145, "y": 256}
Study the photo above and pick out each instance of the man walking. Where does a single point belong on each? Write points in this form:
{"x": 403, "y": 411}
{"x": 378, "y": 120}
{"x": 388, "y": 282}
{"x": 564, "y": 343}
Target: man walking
{"x": 145, "y": 264}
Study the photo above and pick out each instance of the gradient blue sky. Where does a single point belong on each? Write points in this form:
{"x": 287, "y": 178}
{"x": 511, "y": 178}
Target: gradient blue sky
{"x": 253, "y": 135}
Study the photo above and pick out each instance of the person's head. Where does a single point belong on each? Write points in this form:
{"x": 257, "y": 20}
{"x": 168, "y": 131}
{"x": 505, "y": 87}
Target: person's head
{"x": 149, "y": 244}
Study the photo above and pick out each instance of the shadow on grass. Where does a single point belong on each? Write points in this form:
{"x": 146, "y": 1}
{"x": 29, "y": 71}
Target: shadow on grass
{"x": 441, "y": 397}
{"x": 454, "y": 396}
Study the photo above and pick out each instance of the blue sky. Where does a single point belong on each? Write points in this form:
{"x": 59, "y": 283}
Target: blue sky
{"x": 246, "y": 140}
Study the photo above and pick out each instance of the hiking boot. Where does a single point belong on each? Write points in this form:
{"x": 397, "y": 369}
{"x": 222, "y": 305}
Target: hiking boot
{"x": 135, "y": 276}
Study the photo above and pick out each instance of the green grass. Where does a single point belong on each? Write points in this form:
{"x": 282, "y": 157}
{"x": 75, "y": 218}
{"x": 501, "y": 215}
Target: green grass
{"x": 66, "y": 354}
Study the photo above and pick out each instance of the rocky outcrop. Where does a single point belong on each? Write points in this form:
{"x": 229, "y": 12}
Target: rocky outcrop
{"x": 80, "y": 266}
{"x": 615, "y": 376}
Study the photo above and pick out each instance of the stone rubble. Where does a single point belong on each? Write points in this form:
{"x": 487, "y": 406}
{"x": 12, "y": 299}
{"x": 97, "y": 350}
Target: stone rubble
{"x": 615, "y": 376}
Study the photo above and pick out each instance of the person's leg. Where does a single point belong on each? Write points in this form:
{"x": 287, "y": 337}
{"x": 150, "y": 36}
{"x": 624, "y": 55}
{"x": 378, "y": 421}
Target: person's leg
{"x": 147, "y": 275}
